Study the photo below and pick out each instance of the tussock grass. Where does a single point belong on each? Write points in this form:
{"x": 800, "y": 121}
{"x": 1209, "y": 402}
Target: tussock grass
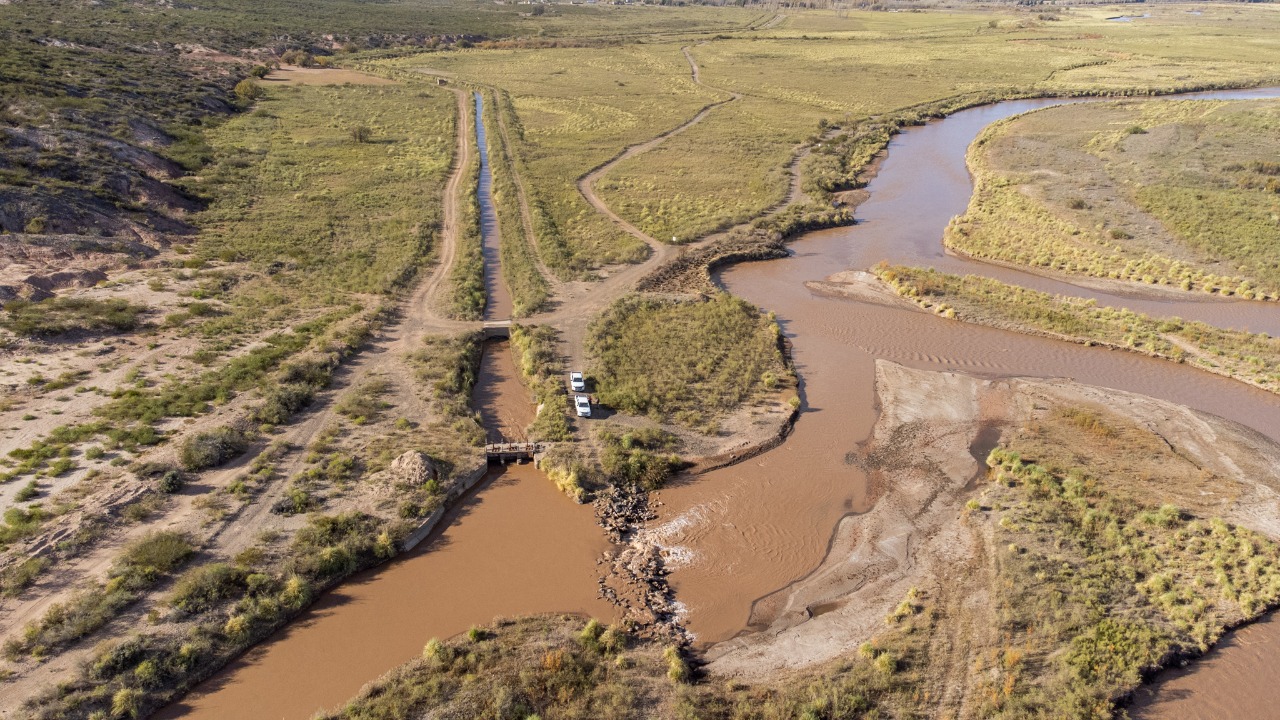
{"x": 1252, "y": 358}
{"x": 552, "y": 667}
{"x": 690, "y": 361}
{"x": 60, "y": 315}
{"x": 1100, "y": 587}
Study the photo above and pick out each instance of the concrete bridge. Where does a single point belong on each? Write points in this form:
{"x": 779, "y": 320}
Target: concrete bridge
{"x": 496, "y": 330}
{"x": 513, "y": 452}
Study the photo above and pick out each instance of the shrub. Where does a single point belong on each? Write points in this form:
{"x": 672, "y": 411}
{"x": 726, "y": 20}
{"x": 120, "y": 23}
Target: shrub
{"x": 56, "y": 316}
{"x": 202, "y": 588}
{"x": 211, "y": 449}
{"x": 155, "y": 553}
{"x": 249, "y": 90}
{"x": 171, "y": 482}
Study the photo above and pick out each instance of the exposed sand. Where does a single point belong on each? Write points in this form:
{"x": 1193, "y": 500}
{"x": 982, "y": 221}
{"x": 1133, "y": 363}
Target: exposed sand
{"x": 294, "y": 75}
{"x": 922, "y": 460}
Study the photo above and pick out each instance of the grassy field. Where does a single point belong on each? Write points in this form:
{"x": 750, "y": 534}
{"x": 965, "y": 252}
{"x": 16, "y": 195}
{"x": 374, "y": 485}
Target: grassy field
{"x": 530, "y": 291}
{"x": 730, "y": 167}
{"x": 296, "y": 192}
{"x": 1253, "y": 358}
{"x": 466, "y": 293}
{"x": 687, "y": 361}
{"x": 1183, "y": 194}
{"x": 575, "y": 108}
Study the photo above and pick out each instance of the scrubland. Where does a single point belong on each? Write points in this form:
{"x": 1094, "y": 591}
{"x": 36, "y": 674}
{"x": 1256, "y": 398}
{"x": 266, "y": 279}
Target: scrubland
{"x": 262, "y": 350}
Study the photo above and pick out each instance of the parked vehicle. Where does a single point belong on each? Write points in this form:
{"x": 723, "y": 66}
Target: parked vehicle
{"x": 577, "y": 382}
{"x": 583, "y": 405}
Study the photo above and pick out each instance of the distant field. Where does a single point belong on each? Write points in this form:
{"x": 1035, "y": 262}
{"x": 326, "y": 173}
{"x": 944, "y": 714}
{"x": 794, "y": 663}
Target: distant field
{"x": 294, "y": 187}
{"x": 322, "y": 76}
{"x": 731, "y": 167}
{"x": 575, "y": 109}
{"x": 1185, "y": 194}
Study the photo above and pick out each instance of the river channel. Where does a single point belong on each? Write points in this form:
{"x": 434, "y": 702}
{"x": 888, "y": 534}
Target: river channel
{"x": 739, "y": 533}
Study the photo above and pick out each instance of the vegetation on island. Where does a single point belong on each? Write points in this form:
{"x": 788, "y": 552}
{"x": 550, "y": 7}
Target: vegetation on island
{"x": 1176, "y": 193}
{"x": 689, "y": 361}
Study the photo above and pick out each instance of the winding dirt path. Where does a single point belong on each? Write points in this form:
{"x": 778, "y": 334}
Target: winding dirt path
{"x": 586, "y": 183}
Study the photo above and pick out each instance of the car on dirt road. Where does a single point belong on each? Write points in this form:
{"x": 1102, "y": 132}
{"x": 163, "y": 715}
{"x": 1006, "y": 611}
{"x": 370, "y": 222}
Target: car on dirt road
{"x": 582, "y": 404}
{"x": 577, "y": 382}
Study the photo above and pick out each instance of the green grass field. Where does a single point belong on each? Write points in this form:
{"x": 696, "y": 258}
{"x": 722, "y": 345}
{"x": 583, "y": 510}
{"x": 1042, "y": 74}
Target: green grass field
{"x": 574, "y": 109}
{"x": 731, "y": 167}
{"x": 293, "y": 187}
{"x": 690, "y": 361}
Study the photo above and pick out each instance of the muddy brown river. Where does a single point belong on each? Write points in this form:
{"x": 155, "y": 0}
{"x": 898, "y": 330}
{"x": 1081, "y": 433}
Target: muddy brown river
{"x": 739, "y": 533}
{"x": 515, "y": 546}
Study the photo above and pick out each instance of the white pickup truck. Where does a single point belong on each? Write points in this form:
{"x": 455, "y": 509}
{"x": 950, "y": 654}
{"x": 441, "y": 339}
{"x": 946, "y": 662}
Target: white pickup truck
{"x": 577, "y": 382}
{"x": 583, "y": 405}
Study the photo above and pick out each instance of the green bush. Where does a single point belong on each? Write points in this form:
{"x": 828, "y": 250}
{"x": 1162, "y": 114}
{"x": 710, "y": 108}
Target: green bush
{"x": 637, "y": 457}
{"x": 56, "y": 316}
{"x": 211, "y": 449}
{"x": 204, "y": 587}
{"x": 249, "y": 90}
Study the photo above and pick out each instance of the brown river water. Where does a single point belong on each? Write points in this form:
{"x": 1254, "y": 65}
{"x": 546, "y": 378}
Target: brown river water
{"x": 514, "y": 546}
{"x": 517, "y": 546}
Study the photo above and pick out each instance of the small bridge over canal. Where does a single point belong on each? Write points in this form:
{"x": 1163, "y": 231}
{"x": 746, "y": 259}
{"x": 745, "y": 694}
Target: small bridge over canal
{"x": 496, "y": 330}
{"x": 503, "y": 453}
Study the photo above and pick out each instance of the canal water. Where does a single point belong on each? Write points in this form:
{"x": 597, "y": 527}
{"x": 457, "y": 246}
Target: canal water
{"x": 497, "y": 298}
